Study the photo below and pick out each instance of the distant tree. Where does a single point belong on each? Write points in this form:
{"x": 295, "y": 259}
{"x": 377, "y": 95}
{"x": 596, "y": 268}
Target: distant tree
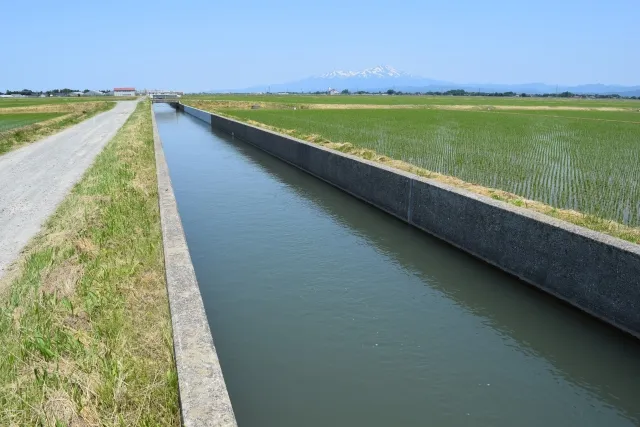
{"x": 345, "y": 92}
{"x": 566, "y": 94}
{"x": 523, "y": 95}
{"x": 391, "y": 92}
{"x": 85, "y": 91}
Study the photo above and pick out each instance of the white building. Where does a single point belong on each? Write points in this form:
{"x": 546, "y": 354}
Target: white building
{"x": 124, "y": 91}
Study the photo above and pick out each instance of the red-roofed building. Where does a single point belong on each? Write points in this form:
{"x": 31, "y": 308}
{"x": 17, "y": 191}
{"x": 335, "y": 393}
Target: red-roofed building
{"x": 124, "y": 91}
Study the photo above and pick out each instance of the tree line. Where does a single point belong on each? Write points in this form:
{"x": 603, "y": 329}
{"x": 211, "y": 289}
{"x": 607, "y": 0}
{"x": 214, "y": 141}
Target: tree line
{"x": 462, "y": 92}
{"x": 53, "y": 92}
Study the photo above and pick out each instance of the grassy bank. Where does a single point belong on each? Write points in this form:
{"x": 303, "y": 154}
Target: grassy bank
{"x": 84, "y": 321}
{"x": 16, "y": 137}
{"x": 12, "y": 121}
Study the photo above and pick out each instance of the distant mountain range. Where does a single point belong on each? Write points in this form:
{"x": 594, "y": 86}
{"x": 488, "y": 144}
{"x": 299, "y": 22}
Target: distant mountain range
{"x": 384, "y": 77}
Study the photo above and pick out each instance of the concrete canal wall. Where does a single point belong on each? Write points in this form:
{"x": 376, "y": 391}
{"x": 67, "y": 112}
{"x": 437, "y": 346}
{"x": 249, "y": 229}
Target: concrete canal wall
{"x": 204, "y": 400}
{"x": 594, "y": 272}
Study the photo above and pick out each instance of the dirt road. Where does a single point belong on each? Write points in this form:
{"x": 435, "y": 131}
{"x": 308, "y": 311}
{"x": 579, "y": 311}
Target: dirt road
{"x": 35, "y": 178}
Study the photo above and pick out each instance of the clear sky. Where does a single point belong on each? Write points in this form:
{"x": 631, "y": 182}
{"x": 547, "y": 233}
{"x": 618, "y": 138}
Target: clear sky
{"x": 200, "y": 45}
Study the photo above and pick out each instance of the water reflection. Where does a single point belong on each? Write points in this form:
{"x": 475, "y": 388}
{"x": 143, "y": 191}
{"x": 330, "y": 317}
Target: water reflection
{"x": 341, "y": 306}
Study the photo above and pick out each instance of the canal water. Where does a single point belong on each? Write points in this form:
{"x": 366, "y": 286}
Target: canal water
{"x": 327, "y": 312}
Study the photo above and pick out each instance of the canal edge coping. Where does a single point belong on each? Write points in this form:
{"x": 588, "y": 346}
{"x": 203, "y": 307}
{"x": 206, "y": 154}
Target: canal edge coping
{"x": 204, "y": 399}
{"x": 596, "y": 273}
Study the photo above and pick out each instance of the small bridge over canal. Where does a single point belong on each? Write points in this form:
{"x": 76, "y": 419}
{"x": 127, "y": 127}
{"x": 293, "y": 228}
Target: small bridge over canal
{"x": 167, "y": 97}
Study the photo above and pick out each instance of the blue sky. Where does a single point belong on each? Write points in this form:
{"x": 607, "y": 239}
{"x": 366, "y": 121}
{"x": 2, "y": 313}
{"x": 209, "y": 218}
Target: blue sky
{"x": 239, "y": 43}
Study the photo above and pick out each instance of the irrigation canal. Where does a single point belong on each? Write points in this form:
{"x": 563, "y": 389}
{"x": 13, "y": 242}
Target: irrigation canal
{"x": 326, "y": 311}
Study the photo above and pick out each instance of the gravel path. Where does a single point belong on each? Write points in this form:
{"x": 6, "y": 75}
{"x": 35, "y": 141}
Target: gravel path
{"x": 34, "y": 179}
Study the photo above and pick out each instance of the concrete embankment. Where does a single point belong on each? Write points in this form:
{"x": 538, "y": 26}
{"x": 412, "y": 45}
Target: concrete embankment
{"x": 204, "y": 400}
{"x": 594, "y": 272}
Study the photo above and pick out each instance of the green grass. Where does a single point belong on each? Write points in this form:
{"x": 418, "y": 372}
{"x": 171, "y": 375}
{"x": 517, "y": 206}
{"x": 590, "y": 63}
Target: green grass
{"x": 589, "y": 166}
{"x": 15, "y": 137}
{"x": 30, "y": 102}
{"x": 11, "y": 121}
{"x": 420, "y": 100}
{"x": 85, "y": 328}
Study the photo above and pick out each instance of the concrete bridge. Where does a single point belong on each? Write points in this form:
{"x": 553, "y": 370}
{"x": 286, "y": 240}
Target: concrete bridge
{"x": 165, "y": 97}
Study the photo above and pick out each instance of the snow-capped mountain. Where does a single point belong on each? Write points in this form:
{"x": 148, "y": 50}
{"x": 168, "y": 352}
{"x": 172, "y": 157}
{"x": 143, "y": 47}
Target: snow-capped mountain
{"x": 378, "y": 72}
{"x": 381, "y": 77}
{"x": 384, "y": 77}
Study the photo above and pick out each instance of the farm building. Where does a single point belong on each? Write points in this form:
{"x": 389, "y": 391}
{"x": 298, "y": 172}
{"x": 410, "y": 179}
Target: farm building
{"x": 124, "y": 91}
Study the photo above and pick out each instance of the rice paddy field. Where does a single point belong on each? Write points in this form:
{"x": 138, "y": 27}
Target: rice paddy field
{"x": 29, "y": 102}
{"x": 587, "y": 161}
{"x": 423, "y": 100}
{"x": 12, "y": 121}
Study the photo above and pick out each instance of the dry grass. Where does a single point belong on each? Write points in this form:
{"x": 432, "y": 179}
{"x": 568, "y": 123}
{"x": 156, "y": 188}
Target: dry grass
{"x": 631, "y": 234}
{"x": 72, "y": 107}
{"x": 76, "y": 112}
{"x": 84, "y": 324}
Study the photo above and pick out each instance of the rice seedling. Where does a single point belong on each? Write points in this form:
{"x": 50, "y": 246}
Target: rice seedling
{"x": 569, "y": 162}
